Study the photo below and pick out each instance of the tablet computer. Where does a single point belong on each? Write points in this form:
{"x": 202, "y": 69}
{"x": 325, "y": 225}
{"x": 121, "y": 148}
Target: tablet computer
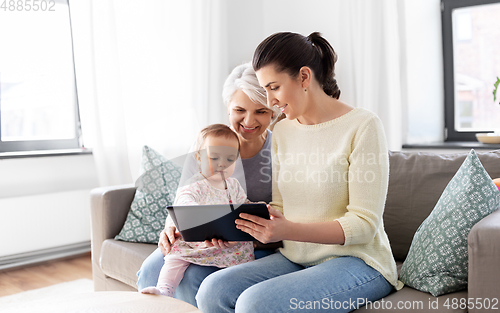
{"x": 204, "y": 222}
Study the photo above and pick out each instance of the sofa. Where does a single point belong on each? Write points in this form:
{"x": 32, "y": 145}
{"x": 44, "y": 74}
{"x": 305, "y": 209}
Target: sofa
{"x": 416, "y": 181}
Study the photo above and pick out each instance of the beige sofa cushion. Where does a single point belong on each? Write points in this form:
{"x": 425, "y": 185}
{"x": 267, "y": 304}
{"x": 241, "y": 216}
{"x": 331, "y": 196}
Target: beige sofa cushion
{"x": 121, "y": 260}
{"x": 416, "y": 181}
{"x": 411, "y": 300}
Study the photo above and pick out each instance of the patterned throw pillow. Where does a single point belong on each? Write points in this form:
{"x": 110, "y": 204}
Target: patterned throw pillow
{"x": 438, "y": 259}
{"x": 156, "y": 189}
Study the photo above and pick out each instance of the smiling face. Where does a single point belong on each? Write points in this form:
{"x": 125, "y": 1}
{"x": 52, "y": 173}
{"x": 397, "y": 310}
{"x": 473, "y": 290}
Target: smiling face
{"x": 218, "y": 155}
{"x": 247, "y": 118}
{"x": 283, "y": 91}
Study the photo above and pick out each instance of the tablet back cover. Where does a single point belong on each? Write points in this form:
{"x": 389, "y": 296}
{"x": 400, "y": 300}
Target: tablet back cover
{"x": 204, "y": 222}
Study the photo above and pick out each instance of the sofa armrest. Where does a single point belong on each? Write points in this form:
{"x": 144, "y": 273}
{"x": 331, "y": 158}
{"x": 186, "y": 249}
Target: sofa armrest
{"x": 484, "y": 259}
{"x": 109, "y": 207}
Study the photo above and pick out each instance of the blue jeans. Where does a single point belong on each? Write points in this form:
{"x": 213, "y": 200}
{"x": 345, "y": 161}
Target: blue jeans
{"x": 275, "y": 284}
{"x": 194, "y": 275}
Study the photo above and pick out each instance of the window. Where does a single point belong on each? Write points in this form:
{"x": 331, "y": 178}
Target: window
{"x": 38, "y": 98}
{"x": 471, "y": 45}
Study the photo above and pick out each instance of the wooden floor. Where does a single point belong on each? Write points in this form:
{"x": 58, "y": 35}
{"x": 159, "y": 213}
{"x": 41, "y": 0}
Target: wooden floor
{"x": 45, "y": 274}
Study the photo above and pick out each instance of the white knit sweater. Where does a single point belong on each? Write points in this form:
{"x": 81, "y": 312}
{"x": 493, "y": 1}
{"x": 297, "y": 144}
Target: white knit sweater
{"x": 337, "y": 170}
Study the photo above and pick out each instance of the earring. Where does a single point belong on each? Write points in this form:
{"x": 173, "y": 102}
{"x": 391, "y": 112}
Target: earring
{"x": 305, "y": 90}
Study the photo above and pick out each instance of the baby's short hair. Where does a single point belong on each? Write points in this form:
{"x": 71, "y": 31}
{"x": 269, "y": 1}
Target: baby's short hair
{"x": 216, "y": 130}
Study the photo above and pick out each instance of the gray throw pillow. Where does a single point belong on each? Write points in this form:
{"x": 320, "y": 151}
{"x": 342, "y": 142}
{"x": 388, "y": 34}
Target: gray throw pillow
{"x": 156, "y": 189}
{"x": 416, "y": 181}
{"x": 438, "y": 259}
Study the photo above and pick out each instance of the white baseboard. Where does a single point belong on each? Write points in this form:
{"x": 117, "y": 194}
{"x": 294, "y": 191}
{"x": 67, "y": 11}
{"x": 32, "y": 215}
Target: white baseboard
{"x": 22, "y": 259}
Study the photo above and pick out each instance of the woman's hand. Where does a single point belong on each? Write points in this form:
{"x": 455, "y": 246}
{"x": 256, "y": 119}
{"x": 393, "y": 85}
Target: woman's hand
{"x": 220, "y": 244}
{"x": 263, "y": 230}
{"x": 167, "y": 238}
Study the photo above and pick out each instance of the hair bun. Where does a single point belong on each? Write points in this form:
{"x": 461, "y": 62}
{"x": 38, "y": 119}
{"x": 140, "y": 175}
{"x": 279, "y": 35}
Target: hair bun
{"x": 313, "y": 36}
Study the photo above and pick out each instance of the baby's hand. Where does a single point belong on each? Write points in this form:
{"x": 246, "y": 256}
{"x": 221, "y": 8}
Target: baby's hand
{"x": 167, "y": 238}
{"x": 230, "y": 244}
{"x": 220, "y": 244}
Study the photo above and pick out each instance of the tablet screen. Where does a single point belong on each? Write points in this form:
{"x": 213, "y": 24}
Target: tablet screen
{"x": 204, "y": 222}
{"x": 196, "y": 215}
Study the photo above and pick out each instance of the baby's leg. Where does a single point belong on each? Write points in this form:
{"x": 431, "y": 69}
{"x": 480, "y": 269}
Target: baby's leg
{"x": 170, "y": 276}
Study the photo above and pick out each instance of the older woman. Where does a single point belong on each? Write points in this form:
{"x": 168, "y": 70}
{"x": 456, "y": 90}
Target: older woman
{"x": 249, "y": 117}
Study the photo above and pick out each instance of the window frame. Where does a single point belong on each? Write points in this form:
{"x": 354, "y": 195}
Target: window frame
{"x": 447, "y": 7}
{"x": 20, "y": 146}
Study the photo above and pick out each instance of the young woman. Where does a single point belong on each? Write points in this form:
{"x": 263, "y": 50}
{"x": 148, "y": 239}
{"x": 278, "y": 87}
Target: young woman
{"x": 330, "y": 178}
{"x": 249, "y": 117}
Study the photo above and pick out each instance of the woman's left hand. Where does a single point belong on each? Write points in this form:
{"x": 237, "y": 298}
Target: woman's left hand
{"x": 263, "y": 230}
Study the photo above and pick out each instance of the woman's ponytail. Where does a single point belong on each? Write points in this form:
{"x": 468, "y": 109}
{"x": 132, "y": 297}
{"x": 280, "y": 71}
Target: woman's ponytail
{"x": 328, "y": 58}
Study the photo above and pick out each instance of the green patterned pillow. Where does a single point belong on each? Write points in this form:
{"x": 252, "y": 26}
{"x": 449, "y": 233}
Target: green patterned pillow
{"x": 438, "y": 259}
{"x": 156, "y": 189}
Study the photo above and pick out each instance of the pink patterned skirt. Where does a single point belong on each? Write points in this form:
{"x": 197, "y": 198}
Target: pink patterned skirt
{"x": 198, "y": 253}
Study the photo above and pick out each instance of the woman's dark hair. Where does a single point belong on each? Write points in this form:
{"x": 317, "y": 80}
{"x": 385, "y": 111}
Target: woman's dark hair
{"x": 289, "y": 52}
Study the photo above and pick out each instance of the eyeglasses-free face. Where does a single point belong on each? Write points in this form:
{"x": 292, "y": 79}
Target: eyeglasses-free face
{"x": 218, "y": 156}
{"x": 283, "y": 91}
{"x": 247, "y": 118}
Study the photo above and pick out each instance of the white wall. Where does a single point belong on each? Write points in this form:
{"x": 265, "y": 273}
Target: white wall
{"x": 244, "y": 20}
{"x": 44, "y": 202}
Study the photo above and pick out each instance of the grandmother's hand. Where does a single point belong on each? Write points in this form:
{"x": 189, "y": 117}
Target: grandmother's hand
{"x": 167, "y": 238}
{"x": 265, "y": 231}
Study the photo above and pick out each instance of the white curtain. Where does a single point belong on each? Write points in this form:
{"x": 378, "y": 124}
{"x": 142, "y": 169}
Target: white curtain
{"x": 149, "y": 73}
{"x": 370, "y": 37}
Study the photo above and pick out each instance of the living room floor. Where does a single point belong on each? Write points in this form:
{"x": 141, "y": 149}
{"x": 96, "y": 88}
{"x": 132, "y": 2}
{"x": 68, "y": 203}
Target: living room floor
{"x": 45, "y": 274}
